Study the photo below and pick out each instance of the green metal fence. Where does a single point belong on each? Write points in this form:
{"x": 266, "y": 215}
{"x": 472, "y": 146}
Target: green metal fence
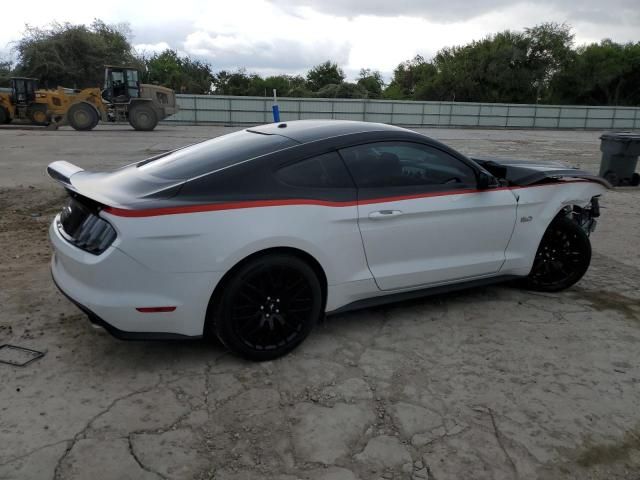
{"x": 227, "y": 110}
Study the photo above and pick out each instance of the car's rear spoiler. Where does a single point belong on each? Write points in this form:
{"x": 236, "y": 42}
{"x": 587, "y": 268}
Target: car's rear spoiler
{"x": 62, "y": 172}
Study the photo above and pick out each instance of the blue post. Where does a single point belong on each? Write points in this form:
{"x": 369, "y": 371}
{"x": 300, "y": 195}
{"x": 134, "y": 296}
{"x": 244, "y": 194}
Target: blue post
{"x": 275, "y": 109}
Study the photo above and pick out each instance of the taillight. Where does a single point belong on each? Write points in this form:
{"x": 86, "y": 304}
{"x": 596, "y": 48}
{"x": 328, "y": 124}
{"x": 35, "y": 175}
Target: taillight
{"x": 85, "y": 229}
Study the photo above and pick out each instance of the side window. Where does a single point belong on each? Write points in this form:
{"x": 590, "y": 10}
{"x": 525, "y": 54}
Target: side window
{"x": 398, "y": 164}
{"x": 323, "y": 171}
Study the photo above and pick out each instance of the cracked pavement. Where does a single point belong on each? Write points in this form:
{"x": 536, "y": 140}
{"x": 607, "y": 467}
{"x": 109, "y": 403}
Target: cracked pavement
{"x": 488, "y": 383}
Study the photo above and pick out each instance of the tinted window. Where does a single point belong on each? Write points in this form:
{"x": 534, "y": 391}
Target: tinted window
{"x": 323, "y": 171}
{"x": 214, "y": 154}
{"x": 388, "y": 164}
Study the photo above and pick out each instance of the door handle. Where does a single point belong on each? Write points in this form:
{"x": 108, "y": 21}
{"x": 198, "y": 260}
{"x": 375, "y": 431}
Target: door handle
{"x": 382, "y": 214}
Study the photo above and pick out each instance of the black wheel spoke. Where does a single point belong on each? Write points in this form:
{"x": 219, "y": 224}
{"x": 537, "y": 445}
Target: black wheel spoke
{"x": 562, "y": 257}
{"x": 271, "y": 307}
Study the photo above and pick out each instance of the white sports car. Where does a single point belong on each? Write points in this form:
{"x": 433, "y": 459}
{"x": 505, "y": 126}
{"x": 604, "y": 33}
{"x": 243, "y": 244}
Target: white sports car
{"x": 254, "y": 236}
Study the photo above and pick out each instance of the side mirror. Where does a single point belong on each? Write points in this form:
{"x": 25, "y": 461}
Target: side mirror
{"x": 485, "y": 181}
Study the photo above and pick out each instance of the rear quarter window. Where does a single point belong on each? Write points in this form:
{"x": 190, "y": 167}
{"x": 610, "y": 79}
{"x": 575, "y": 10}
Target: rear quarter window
{"x": 215, "y": 154}
{"x": 322, "y": 171}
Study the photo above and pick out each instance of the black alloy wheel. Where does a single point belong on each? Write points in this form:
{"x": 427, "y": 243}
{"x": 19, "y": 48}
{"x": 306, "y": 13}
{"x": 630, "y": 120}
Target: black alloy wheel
{"x": 268, "y": 307}
{"x": 562, "y": 258}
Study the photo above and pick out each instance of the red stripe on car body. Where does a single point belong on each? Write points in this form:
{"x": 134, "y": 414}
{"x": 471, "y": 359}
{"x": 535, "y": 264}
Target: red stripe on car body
{"x": 155, "y": 212}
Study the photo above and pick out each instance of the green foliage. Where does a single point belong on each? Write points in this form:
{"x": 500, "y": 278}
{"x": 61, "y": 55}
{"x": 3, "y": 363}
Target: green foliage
{"x": 72, "y": 55}
{"x": 509, "y": 66}
{"x": 372, "y": 82}
{"x": 604, "y": 73}
{"x": 182, "y": 74}
{"x": 6, "y": 71}
{"x": 408, "y": 77}
{"x": 326, "y": 73}
{"x": 342, "y": 90}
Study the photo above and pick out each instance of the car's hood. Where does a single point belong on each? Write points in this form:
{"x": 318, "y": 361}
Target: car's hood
{"x": 527, "y": 172}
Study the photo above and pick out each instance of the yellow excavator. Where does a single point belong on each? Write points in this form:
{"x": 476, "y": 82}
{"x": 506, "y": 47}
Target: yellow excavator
{"x": 123, "y": 99}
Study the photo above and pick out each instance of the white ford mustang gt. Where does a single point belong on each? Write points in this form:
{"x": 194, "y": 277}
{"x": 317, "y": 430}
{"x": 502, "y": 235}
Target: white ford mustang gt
{"x": 253, "y": 236}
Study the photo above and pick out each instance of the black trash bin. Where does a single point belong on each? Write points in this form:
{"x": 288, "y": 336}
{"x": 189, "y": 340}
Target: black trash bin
{"x": 620, "y": 152}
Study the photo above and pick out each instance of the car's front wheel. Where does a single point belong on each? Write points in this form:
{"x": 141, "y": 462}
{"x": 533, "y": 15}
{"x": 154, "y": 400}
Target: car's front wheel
{"x": 268, "y": 306}
{"x": 562, "y": 258}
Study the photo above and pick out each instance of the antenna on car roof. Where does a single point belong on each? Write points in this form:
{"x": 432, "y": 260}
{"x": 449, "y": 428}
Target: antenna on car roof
{"x": 275, "y": 108}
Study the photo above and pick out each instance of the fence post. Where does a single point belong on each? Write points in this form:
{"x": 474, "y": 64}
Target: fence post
{"x": 586, "y": 118}
{"x": 364, "y": 110}
{"x": 478, "y": 117}
{"x": 506, "y": 119}
{"x": 195, "y": 110}
{"x": 333, "y": 107}
{"x": 424, "y": 104}
{"x": 613, "y": 117}
{"x": 635, "y": 118}
{"x": 393, "y": 104}
{"x": 559, "y": 116}
{"x": 264, "y": 110}
{"x": 229, "y": 110}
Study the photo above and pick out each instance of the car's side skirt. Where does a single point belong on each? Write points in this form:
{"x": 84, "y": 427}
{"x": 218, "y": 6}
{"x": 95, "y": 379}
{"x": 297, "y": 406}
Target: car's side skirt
{"x": 423, "y": 292}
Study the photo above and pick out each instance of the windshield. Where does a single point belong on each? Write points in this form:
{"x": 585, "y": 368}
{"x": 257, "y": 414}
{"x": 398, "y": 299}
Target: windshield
{"x": 214, "y": 154}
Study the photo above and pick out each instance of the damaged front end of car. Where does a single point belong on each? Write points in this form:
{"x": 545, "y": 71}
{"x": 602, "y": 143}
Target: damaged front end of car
{"x": 523, "y": 173}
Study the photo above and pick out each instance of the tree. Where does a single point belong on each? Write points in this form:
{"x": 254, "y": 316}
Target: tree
{"x": 372, "y": 82}
{"x": 494, "y": 69}
{"x": 73, "y": 55}
{"x": 549, "y": 51}
{"x": 326, "y": 73}
{"x": 5, "y": 73}
{"x": 604, "y": 73}
{"x": 341, "y": 90}
{"x": 182, "y": 74}
{"x": 410, "y": 77}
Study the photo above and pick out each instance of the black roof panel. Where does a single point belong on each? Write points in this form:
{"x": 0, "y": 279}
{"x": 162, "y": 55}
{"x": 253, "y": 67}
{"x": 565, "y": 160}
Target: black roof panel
{"x": 304, "y": 131}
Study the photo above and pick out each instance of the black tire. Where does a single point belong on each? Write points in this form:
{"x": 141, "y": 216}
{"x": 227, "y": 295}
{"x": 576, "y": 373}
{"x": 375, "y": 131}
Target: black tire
{"x": 635, "y": 180}
{"x": 143, "y": 117}
{"x": 268, "y": 307}
{"x": 82, "y": 116}
{"x": 562, "y": 258}
{"x": 38, "y": 114}
{"x": 4, "y": 116}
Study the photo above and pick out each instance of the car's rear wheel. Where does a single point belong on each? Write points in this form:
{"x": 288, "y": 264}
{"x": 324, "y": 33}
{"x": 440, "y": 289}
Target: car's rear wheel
{"x": 268, "y": 306}
{"x": 562, "y": 258}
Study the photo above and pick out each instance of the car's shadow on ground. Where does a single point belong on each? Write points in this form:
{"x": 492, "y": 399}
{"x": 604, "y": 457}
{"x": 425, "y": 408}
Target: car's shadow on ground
{"x": 182, "y": 353}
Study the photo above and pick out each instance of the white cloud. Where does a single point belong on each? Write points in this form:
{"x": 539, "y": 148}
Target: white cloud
{"x": 151, "y": 48}
{"x": 289, "y": 36}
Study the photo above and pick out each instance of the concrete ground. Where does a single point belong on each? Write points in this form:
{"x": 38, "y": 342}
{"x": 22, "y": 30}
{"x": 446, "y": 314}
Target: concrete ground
{"x": 488, "y": 383}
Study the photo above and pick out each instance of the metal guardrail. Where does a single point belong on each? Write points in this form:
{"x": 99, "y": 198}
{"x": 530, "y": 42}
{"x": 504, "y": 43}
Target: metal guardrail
{"x": 230, "y": 110}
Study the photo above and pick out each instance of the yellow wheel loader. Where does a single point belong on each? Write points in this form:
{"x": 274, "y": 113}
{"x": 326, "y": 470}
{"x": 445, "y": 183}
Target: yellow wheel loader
{"x": 123, "y": 99}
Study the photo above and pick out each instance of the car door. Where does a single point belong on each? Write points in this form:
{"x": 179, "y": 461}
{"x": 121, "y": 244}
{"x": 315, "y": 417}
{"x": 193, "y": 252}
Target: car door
{"x": 422, "y": 219}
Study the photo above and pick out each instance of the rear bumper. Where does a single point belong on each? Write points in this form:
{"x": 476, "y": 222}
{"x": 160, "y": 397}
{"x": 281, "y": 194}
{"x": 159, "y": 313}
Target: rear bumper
{"x": 121, "y": 334}
{"x": 110, "y": 288}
